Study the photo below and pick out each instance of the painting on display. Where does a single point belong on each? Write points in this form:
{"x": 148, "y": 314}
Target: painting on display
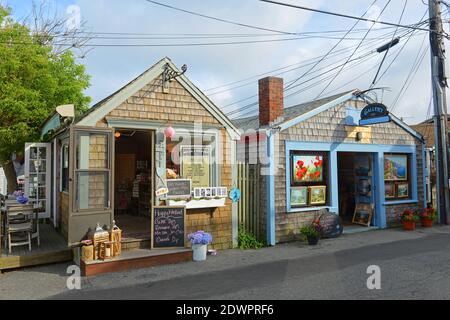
{"x": 308, "y": 168}
{"x": 403, "y": 190}
{"x": 389, "y": 190}
{"x": 317, "y": 195}
{"x": 363, "y": 214}
{"x": 299, "y": 197}
{"x": 395, "y": 167}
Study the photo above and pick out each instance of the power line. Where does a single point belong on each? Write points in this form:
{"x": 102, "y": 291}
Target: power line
{"x": 338, "y": 52}
{"x": 367, "y": 33}
{"x": 411, "y": 76}
{"x": 345, "y": 15}
{"x": 220, "y": 19}
{"x": 389, "y": 47}
{"x": 334, "y": 47}
{"x": 399, "y": 52}
{"x": 366, "y": 58}
{"x": 299, "y": 91}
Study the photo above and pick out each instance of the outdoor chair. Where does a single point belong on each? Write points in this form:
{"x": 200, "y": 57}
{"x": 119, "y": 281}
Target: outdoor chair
{"x": 19, "y": 220}
{"x": 36, "y": 233}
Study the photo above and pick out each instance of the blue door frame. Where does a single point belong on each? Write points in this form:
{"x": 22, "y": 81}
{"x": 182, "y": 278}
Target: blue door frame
{"x": 373, "y": 182}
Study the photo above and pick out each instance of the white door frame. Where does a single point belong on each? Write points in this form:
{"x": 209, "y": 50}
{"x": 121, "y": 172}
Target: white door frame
{"x": 48, "y": 185}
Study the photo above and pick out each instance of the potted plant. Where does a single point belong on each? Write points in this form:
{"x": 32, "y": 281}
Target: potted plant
{"x": 312, "y": 232}
{"x": 427, "y": 217}
{"x": 199, "y": 241}
{"x": 409, "y": 220}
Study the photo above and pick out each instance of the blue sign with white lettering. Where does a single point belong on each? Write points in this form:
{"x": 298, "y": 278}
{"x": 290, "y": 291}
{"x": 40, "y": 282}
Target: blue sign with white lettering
{"x": 374, "y": 113}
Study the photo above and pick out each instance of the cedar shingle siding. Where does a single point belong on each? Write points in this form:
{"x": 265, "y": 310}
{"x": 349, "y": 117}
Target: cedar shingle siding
{"x": 177, "y": 105}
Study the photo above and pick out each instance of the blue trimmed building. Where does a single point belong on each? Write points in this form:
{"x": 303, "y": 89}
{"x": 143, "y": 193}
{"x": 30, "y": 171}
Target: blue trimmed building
{"x": 316, "y": 156}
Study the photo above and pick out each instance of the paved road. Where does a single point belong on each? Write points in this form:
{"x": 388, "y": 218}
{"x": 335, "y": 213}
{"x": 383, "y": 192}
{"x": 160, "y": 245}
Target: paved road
{"x": 416, "y": 268}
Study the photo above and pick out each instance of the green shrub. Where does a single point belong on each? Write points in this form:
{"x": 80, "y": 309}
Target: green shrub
{"x": 246, "y": 240}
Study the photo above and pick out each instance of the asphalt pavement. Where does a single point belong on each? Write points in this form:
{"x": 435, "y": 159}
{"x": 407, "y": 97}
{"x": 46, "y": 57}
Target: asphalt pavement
{"x": 413, "y": 265}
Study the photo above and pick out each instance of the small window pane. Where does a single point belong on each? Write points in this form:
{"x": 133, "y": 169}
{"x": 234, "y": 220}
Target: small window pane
{"x": 92, "y": 151}
{"x": 91, "y": 190}
{"x": 65, "y": 168}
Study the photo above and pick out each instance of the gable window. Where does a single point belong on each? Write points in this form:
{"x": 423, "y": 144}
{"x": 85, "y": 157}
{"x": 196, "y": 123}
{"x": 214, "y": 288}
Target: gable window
{"x": 65, "y": 168}
{"x": 309, "y": 179}
{"x": 397, "y": 177}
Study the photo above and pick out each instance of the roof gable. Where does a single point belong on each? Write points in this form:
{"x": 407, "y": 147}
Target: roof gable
{"x": 104, "y": 107}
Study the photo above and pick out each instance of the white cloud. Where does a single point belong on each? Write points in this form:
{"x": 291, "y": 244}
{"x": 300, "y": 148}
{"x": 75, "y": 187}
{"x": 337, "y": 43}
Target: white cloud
{"x": 210, "y": 66}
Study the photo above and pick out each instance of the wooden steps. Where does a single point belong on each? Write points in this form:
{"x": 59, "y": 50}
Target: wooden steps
{"x": 135, "y": 259}
{"x": 40, "y": 258}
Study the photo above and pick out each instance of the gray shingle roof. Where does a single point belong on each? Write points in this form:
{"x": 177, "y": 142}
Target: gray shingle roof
{"x": 289, "y": 113}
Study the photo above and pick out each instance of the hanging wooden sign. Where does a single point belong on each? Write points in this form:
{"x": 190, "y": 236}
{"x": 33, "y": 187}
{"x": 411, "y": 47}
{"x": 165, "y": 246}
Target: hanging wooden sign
{"x": 374, "y": 113}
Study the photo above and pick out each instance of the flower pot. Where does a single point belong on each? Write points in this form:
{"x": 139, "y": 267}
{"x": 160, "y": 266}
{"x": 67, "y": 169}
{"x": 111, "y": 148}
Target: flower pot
{"x": 199, "y": 252}
{"x": 427, "y": 223}
{"x": 313, "y": 241}
{"x": 409, "y": 225}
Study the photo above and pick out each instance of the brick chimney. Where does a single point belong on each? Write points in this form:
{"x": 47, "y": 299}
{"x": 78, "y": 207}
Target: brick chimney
{"x": 270, "y": 100}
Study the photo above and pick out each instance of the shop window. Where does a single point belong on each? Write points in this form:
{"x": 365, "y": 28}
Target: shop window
{"x": 92, "y": 171}
{"x": 65, "y": 168}
{"x": 309, "y": 179}
{"x": 192, "y": 157}
{"x": 397, "y": 173}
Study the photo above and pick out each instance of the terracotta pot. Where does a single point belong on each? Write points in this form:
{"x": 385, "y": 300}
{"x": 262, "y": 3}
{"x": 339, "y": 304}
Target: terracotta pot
{"x": 427, "y": 223}
{"x": 409, "y": 225}
{"x": 313, "y": 241}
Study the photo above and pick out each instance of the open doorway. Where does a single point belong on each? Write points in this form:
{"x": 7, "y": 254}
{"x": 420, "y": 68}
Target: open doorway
{"x": 355, "y": 173}
{"x": 133, "y": 183}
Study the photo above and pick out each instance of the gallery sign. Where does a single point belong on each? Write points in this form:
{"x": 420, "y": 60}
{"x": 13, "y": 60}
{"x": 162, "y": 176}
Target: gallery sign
{"x": 374, "y": 113}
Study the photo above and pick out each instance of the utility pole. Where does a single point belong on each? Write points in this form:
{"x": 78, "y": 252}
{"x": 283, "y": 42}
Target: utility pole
{"x": 439, "y": 86}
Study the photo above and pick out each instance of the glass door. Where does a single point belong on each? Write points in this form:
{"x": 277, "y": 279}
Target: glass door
{"x": 38, "y": 176}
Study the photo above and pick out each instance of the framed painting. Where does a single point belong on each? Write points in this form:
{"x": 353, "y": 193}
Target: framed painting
{"x": 402, "y": 190}
{"x": 307, "y": 168}
{"x": 389, "y": 190}
{"x": 363, "y": 214}
{"x": 317, "y": 195}
{"x": 299, "y": 197}
{"x": 395, "y": 167}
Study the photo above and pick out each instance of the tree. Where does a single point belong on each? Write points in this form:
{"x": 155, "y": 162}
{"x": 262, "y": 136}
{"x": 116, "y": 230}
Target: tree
{"x": 33, "y": 81}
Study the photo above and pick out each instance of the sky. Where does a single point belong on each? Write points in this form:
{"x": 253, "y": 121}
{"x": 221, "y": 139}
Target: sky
{"x": 214, "y": 66}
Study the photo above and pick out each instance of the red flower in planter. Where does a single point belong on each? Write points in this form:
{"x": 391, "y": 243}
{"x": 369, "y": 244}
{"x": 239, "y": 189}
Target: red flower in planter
{"x": 300, "y": 163}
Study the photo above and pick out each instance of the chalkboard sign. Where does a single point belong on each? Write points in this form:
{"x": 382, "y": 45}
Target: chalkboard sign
{"x": 332, "y": 225}
{"x": 168, "y": 227}
{"x": 179, "y": 188}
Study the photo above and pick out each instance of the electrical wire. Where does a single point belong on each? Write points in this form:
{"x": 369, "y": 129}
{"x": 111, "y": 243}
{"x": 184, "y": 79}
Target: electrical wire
{"x": 345, "y": 15}
{"x": 331, "y": 50}
{"x": 361, "y": 42}
{"x": 387, "y": 51}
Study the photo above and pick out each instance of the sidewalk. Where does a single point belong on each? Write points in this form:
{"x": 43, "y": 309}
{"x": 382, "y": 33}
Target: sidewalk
{"x": 46, "y": 281}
